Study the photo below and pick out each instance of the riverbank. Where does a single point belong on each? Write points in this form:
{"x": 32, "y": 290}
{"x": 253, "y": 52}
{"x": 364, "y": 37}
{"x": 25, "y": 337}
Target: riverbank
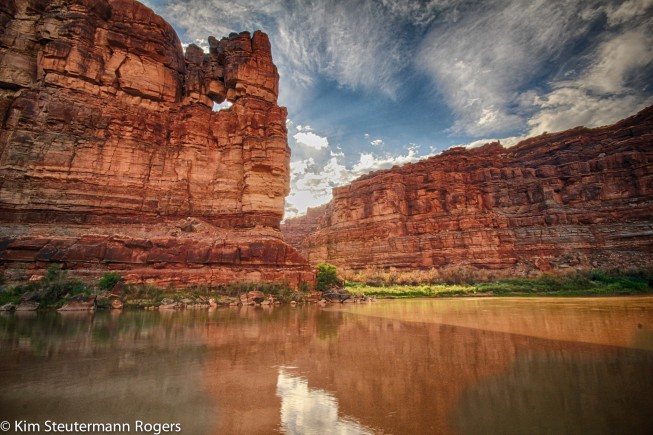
{"x": 592, "y": 283}
{"x": 54, "y": 290}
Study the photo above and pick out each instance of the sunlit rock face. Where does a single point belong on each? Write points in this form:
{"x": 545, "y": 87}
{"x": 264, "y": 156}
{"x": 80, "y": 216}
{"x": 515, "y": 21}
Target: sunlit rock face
{"x": 111, "y": 154}
{"x": 582, "y": 198}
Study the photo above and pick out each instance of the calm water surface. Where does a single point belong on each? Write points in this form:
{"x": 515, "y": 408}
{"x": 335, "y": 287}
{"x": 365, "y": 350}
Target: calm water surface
{"x": 450, "y": 366}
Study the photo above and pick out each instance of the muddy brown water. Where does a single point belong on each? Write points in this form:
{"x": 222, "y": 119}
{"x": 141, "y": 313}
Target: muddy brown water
{"x": 442, "y": 366}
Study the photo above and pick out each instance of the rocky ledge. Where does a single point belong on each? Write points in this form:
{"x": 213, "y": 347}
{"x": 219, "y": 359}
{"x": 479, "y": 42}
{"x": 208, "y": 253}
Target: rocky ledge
{"x": 112, "y": 155}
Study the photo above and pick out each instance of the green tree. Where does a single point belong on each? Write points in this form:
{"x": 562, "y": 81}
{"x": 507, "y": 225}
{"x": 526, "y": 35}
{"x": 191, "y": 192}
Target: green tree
{"x": 327, "y": 277}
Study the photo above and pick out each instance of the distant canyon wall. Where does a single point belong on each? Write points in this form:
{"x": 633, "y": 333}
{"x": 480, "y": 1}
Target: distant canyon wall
{"x": 112, "y": 158}
{"x": 582, "y": 198}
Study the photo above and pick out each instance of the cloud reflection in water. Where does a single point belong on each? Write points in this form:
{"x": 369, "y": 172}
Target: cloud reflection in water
{"x": 307, "y": 410}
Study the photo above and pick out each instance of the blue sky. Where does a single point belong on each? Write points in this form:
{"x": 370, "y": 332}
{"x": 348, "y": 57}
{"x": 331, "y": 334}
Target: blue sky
{"x": 373, "y": 83}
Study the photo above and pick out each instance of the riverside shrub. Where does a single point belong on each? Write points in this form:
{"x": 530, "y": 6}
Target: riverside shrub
{"x": 327, "y": 277}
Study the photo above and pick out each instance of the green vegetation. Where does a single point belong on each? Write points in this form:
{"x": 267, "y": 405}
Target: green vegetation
{"x": 10, "y": 295}
{"x": 327, "y": 277}
{"x": 411, "y": 291}
{"x": 50, "y": 291}
{"x": 109, "y": 280}
{"x": 592, "y": 283}
{"x": 55, "y": 287}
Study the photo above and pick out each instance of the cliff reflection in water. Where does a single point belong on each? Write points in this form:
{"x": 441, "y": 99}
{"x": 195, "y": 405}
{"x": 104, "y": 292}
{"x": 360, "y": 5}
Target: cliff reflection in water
{"x": 427, "y": 366}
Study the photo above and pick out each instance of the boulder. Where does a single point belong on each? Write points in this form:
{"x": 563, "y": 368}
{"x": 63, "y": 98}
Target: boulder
{"x": 80, "y": 303}
{"x": 255, "y": 296}
{"x": 27, "y": 306}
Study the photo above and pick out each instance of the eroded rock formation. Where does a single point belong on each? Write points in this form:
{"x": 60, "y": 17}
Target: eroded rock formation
{"x": 112, "y": 157}
{"x": 582, "y": 198}
{"x": 297, "y": 229}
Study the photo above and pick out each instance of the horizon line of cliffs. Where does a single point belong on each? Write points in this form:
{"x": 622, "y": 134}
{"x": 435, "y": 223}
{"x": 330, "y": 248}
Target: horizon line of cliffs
{"x": 112, "y": 158}
{"x": 578, "y": 199}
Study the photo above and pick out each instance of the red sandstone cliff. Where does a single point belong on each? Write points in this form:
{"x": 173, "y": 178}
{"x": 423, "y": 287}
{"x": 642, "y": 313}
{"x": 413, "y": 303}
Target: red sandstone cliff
{"x": 297, "y": 229}
{"x": 111, "y": 155}
{"x": 582, "y": 198}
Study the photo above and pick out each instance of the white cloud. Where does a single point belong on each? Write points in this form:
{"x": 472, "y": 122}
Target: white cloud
{"x": 311, "y": 140}
{"x": 377, "y": 142}
{"x": 371, "y": 44}
{"x": 506, "y": 142}
{"x": 616, "y": 58}
{"x": 484, "y": 64}
{"x": 369, "y": 162}
{"x": 627, "y": 11}
{"x": 602, "y": 94}
{"x": 569, "y": 107}
{"x": 418, "y": 13}
{"x": 480, "y": 61}
{"x": 300, "y": 200}
{"x": 338, "y": 153}
{"x": 222, "y": 106}
{"x": 301, "y": 166}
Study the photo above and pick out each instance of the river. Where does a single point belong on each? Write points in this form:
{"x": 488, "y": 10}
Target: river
{"x": 441, "y": 366}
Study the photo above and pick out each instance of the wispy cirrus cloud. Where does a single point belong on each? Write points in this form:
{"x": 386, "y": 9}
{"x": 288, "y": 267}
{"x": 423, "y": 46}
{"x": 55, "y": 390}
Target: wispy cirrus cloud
{"x": 481, "y": 61}
{"x": 606, "y": 91}
{"x": 623, "y": 12}
{"x": 489, "y": 65}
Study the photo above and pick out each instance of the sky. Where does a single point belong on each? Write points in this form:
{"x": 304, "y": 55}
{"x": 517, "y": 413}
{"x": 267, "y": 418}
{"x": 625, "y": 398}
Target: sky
{"x": 370, "y": 84}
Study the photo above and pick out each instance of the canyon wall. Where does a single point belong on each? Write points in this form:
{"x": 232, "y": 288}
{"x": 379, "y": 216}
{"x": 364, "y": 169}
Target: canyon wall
{"x": 113, "y": 158}
{"x": 582, "y": 198}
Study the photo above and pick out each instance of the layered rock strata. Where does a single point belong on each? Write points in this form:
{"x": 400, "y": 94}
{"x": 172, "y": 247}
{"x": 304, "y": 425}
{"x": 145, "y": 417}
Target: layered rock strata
{"x": 112, "y": 157}
{"x": 582, "y": 198}
{"x": 297, "y": 229}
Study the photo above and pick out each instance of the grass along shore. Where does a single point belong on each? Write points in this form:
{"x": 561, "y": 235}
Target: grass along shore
{"x": 591, "y": 283}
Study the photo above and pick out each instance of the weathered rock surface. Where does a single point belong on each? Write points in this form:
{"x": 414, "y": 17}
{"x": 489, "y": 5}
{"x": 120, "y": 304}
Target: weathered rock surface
{"x": 582, "y": 198}
{"x": 296, "y": 230}
{"x": 27, "y": 306}
{"x": 112, "y": 157}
